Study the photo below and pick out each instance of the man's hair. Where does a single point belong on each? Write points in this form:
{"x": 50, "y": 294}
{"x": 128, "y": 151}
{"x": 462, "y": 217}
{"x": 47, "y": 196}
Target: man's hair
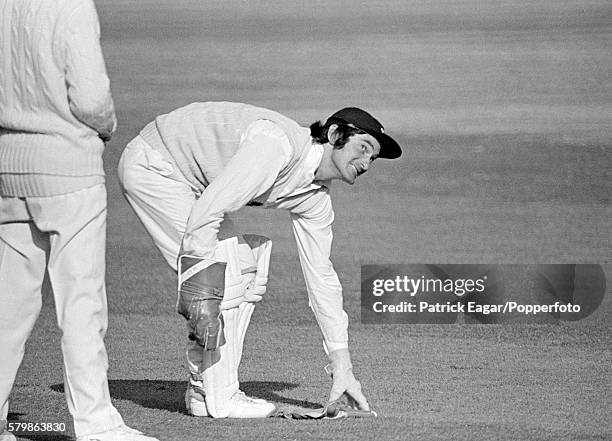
{"x": 318, "y": 132}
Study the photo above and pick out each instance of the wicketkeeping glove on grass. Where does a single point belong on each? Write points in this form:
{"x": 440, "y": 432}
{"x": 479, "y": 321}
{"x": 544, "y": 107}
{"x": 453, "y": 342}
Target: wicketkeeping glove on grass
{"x": 200, "y": 292}
{"x": 333, "y": 411}
{"x": 344, "y": 382}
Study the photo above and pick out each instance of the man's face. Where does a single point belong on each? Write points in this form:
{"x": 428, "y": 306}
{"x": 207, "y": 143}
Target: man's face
{"x": 355, "y": 158}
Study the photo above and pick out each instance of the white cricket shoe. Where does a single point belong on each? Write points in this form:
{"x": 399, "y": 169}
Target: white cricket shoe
{"x": 240, "y": 405}
{"x": 121, "y": 433}
{"x": 243, "y": 406}
{"x": 7, "y": 436}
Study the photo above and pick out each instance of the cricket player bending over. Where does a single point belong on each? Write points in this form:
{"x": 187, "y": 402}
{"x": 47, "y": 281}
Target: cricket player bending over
{"x": 187, "y": 169}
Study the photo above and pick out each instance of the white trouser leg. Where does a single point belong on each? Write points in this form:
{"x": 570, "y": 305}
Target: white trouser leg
{"x": 77, "y": 273}
{"x": 74, "y": 225}
{"x": 218, "y": 369}
{"x": 160, "y": 196}
{"x": 23, "y": 251}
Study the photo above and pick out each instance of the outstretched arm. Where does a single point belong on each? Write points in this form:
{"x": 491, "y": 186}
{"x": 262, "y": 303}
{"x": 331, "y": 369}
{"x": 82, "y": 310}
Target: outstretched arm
{"x": 312, "y": 227}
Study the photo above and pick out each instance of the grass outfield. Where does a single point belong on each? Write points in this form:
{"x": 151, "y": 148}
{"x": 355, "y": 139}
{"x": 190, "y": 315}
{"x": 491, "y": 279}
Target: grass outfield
{"x": 504, "y": 108}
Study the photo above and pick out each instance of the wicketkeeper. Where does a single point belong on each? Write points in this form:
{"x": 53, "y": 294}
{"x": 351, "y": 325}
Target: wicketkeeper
{"x": 189, "y": 168}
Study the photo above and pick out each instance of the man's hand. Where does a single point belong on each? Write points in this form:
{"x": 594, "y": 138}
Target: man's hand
{"x": 344, "y": 382}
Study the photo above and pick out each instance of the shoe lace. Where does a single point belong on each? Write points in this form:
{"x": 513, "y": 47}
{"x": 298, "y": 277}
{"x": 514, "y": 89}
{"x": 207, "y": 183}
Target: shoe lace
{"x": 243, "y": 398}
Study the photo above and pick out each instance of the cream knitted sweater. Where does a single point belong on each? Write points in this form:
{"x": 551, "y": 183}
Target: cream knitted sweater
{"x": 55, "y": 101}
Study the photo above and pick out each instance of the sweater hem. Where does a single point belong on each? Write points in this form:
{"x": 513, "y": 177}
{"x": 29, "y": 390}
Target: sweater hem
{"x": 41, "y": 185}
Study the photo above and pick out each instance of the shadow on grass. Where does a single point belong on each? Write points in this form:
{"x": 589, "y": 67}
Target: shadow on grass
{"x": 169, "y": 395}
{"x": 14, "y": 417}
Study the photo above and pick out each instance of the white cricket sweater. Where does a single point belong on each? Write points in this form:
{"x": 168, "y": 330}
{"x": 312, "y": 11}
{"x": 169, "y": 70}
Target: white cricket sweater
{"x": 203, "y": 137}
{"x": 55, "y": 101}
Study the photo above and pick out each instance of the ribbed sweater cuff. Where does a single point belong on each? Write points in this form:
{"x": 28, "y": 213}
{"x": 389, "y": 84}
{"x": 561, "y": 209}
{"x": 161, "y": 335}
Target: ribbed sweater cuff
{"x": 41, "y": 185}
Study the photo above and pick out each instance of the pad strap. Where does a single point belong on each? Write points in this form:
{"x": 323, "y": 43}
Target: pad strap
{"x": 262, "y": 250}
{"x": 201, "y": 285}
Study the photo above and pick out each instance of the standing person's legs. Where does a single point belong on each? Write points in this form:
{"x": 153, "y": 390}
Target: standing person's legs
{"x": 76, "y": 225}
{"x": 23, "y": 251}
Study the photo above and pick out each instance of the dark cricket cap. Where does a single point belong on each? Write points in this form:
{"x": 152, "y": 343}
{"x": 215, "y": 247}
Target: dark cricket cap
{"x": 361, "y": 119}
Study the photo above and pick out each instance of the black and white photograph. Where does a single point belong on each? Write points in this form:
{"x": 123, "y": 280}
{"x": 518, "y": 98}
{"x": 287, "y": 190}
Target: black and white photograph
{"x": 325, "y": 220}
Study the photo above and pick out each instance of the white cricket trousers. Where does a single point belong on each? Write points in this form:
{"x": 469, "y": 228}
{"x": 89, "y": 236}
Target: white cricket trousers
{"x": 65, "y": 236}
{"x": 159, "y": 194}
{"x": 163, "y": 199}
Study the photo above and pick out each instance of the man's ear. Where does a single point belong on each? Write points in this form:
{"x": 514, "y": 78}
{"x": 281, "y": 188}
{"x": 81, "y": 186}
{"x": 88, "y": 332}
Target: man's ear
{"x": 333, "y": 134}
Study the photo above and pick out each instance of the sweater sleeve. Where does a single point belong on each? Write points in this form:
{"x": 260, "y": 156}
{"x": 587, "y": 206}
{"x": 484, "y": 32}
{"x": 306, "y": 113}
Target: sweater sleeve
{"x": 249, "y": 174}
{"x": 312, "y": 228}
{"x": 89, "y": 93}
